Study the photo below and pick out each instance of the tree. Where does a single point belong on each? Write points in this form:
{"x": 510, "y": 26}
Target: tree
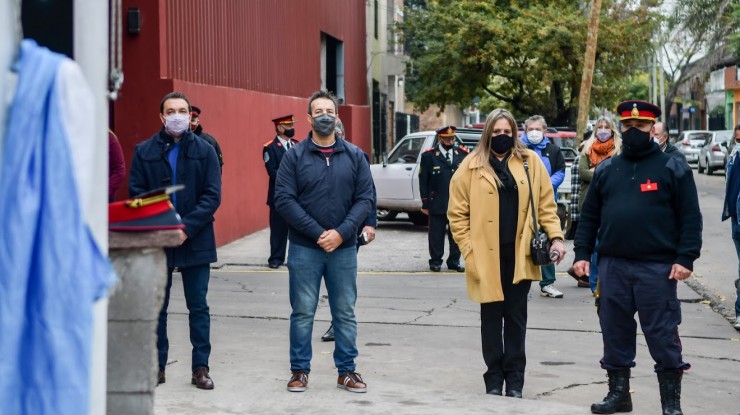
{"x": 698, "y": 28}
{"x": 524, "y": 55}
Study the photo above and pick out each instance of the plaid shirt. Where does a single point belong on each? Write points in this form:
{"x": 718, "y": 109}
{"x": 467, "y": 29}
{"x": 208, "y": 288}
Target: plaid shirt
{"x": 575, "y": 187}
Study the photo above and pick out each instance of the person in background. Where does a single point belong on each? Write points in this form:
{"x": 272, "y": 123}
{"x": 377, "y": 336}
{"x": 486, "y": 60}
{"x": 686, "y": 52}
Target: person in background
{"x": 660, "y": 136}
{"x": 644, "y": 206}
{"x": 604, "y": 144}
{"x": 575, "y": 213}
{"x": 197, "y": 128}
{"x": 491, "y": 220}
{"x": 436, "y": 168}
{"x": 116, "y": 166}
{"x": 730, "y": 210}
{"x": 367, "y": 229}
{"x": 534, "y": 138}
{"x": 324, "y": 191}
{"x": 175, "y": 155}
{"x": 272, "y": 154}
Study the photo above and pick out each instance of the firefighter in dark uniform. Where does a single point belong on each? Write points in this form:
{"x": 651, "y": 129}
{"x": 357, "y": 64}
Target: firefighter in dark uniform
{"x": 435, "y": 171}
{"x": 272, "y": 154}
{"x": 644, "y": 207}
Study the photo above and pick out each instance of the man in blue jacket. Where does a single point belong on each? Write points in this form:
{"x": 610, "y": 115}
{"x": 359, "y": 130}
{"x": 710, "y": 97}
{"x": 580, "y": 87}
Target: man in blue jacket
{"x": 175, "y": 155}
{"x": 324, "y": 191}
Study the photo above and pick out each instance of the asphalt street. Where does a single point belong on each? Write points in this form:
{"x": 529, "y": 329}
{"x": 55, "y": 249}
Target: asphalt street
{"x": 419, "y": 337}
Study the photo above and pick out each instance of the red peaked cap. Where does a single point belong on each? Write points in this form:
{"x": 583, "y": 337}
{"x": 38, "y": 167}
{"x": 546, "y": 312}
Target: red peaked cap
{"x": 636, "y": 109}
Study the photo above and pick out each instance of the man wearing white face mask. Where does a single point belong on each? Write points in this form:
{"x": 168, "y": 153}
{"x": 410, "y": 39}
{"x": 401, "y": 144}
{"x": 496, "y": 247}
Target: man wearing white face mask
{"x": 175, "y": 155}
{"x": 534, "y": 138}
{"x": 660, "y": 136}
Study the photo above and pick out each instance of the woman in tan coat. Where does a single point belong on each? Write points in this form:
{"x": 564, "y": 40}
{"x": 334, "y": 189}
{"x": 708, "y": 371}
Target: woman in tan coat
{"x": 491, "y": 221}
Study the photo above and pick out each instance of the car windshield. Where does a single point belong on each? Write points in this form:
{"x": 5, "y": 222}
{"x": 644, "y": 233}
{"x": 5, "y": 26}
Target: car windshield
{"x": 722, "y": 136}
{"x": 695, "y": 137}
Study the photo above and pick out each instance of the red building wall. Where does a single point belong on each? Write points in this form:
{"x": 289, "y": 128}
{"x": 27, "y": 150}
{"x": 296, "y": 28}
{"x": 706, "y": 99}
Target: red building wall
{"x": 243, "y": 63}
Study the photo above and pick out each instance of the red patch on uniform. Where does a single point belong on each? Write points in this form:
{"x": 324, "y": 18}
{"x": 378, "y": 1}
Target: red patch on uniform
{"x": 648, "y": 186}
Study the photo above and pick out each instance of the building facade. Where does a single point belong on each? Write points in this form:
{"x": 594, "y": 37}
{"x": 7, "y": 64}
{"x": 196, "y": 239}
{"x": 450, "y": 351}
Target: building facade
{"x": 243, "y": 63}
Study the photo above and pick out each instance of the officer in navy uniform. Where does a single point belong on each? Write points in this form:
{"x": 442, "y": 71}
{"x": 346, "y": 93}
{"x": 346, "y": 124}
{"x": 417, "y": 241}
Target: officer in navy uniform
{"x": 644, "y": 206}
{"x": 435, "y": 172}
{"x": 272, "y": 154}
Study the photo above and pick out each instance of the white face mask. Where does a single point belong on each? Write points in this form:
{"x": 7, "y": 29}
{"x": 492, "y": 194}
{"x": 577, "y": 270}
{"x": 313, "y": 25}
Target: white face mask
{"x": 176, "y": 124}
{"x": 535, "y": 137}
{"x": 656, "y": 140}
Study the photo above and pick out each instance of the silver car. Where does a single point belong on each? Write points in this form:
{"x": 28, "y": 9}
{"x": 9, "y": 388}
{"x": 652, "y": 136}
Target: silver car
{"x": 713, "y": 155}
{"x": 689, "y": 143}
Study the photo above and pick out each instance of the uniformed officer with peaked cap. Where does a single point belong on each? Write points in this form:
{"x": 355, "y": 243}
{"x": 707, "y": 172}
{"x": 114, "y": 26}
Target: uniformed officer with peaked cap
{"x": 435, "y": 172}
{"x": 644, "y": 207}
{"x": 272, "y": 154}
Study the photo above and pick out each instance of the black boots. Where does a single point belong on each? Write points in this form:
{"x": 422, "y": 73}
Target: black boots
{"x": 618, "y": 399}
{"x": 670, "y": 392}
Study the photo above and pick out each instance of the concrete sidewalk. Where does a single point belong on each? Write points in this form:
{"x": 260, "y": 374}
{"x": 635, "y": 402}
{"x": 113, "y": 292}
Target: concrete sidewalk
{"x": 419, "y": 344}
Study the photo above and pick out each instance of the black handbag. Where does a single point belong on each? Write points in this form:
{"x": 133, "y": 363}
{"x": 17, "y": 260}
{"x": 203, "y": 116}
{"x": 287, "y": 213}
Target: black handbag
{"x": 540, "y": 244}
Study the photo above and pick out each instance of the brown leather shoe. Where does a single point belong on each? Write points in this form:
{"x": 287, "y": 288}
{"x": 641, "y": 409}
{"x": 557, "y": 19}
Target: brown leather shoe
{"x": 298, "y": 381}
{"x": 160, "y": 378}
{"x": 201, "y": 379}
{"x": 352, "y": 381}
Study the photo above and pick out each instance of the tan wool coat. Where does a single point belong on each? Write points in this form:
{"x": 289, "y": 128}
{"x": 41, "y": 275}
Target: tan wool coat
{"x": 474, "y": 221}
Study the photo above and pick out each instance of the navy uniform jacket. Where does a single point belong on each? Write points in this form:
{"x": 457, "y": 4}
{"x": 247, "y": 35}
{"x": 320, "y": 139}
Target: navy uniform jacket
{"x": 434, "y": 178}
{"x": 198, "y": 169}
{"x": 314, "y": 195}
{"x": 272, "y": 154}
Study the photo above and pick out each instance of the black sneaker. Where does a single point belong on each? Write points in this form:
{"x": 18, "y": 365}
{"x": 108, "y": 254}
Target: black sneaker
{"x": 329, "y": 335}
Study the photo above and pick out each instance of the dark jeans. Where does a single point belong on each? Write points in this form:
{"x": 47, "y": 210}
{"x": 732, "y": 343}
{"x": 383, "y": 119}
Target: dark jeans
{"x": 437, "y": 231}
{"x": 195, "y": 285}
{"x": 631, "y": 286}
{"x": 736, "y": 240}
{"x": 278, "y": 238}
{"x": 504, "y": 328}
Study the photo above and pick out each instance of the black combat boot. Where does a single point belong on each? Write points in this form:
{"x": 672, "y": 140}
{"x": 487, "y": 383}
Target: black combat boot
{"x": 618, "y": 399}
{"x": 670, "y": 392}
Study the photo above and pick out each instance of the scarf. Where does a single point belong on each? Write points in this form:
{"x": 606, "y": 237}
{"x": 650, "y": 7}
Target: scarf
{"x": 600, "y": 151}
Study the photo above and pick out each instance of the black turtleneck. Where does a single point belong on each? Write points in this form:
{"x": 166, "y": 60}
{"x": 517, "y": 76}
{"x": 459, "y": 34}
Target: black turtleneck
{"x": 508, "y": 200}
{"x": 644, "y": 206}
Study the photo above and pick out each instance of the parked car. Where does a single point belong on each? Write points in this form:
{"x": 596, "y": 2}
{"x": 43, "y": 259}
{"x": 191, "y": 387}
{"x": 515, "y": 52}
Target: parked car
{"x": 713, "y": 155}
{"x": 689, "y": 143}
{"x": 397, "y": 178}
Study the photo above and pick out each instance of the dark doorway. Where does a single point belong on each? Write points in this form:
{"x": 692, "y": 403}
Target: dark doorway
{"x": 49, "y": 23}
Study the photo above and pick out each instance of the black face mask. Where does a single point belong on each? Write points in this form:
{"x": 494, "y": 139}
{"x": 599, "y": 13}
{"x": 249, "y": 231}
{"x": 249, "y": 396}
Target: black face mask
{"x": 635, "y": 139}
{"x": 289, "y": 133}
{"x": 502, "y": 143}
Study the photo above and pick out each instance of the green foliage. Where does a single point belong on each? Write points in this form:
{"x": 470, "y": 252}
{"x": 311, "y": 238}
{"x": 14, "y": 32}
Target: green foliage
{"x": 526, "y": 56}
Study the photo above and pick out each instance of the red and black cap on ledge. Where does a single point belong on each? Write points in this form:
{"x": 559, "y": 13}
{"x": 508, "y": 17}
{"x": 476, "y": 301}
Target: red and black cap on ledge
{"x": 284, "y": 120}
{"x": 446, "y": 131}
{"x": 151, "y": 211}
{"x": 636, "y": 109}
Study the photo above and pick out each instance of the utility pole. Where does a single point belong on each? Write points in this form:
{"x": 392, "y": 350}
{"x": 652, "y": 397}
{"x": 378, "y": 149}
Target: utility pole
{"x": 664, "y": 117}
{"x": 589, "y": 58}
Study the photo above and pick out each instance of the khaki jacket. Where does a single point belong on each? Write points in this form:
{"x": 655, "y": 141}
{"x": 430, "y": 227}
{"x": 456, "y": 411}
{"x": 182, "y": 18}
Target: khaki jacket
{"x": 474, "y": 221}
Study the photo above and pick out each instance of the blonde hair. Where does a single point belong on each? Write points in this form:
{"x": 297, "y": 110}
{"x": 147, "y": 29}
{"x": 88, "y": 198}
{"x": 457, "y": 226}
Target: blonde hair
{"x": 483, "y": 151}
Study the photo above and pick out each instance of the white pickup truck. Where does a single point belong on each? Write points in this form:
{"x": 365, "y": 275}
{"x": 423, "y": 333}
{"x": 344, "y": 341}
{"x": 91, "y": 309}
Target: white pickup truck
{"x": 397, "y": 178}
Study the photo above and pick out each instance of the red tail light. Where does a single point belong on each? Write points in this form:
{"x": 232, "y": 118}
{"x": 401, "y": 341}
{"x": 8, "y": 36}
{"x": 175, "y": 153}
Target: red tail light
{"x": 685, "y": 143}
{"x": 716, "y": 147}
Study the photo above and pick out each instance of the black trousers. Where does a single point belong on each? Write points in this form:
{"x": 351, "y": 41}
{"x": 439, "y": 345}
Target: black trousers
{"x": 278, "y": 238}
{"x": 504, "y": 328}
{"x": 437, "y": 231}
{"x": 631, "y": 286}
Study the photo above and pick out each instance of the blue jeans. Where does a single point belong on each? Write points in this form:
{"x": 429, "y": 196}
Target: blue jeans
{"x": 736, "y": 239}
{"x": 306, "y": 267}
{"x": 195, "y": 284}
{"x": 548, "y": 275}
